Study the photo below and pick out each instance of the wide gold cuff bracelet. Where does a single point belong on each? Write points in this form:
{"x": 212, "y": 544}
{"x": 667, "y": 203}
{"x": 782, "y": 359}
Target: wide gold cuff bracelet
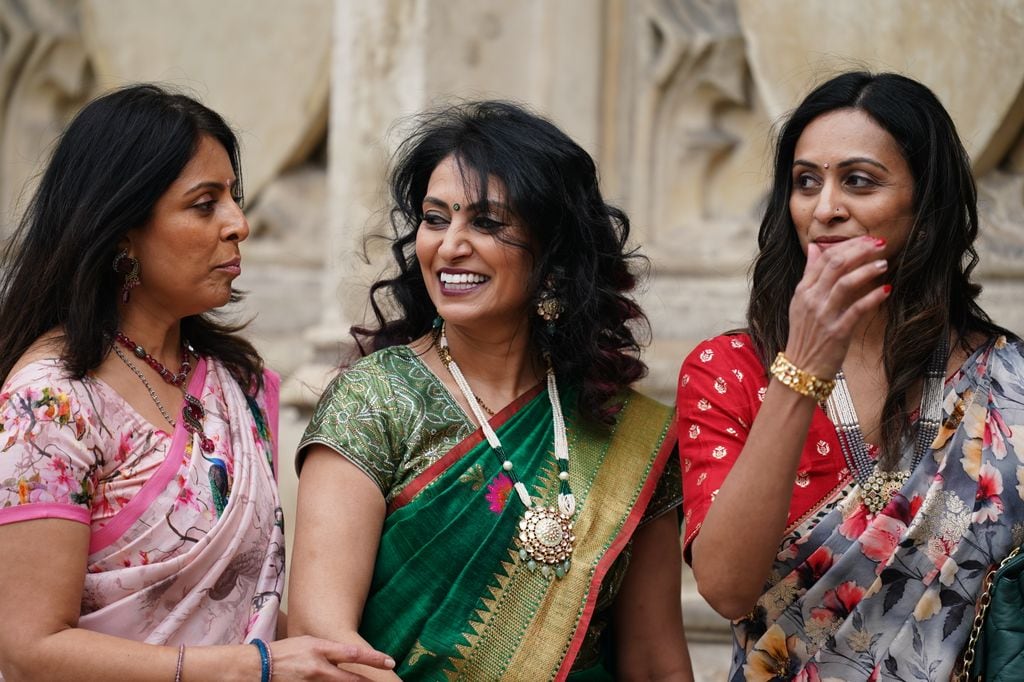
{"x": 800, "y": 381}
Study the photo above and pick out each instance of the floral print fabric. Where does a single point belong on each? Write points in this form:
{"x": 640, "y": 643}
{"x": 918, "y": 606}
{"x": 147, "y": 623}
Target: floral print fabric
{"x": 891, "y": 596}
{"x": 164, "y": 565}
{"x": 54, "y": 440}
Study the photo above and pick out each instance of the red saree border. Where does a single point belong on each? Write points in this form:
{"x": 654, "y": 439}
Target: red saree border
{"x": 151, "y": 489}
{"x": 615, "y": 549}
{"x": 431, "y": 473}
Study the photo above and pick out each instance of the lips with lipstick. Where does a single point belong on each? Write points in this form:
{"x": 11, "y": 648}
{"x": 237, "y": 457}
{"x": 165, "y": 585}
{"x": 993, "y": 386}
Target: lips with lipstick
{"x": 460, "y": 281}
{"x": 828, "y": 242}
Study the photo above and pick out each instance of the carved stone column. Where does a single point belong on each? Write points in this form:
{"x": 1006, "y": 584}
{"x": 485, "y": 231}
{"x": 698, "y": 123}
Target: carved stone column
{"x": 394, "y": 58}
{"x": 44, "y": 77}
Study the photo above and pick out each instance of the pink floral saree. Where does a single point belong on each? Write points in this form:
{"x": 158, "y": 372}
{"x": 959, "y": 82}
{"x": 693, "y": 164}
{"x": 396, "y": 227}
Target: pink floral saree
{"x": 186, "y": 547}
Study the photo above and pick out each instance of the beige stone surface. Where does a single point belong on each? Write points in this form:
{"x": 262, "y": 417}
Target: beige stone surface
{"x": 44, "y": 78}
{"x": 262, "y": 64}
{"x": 970, "y": 52}
{"x": 684, "y": 132}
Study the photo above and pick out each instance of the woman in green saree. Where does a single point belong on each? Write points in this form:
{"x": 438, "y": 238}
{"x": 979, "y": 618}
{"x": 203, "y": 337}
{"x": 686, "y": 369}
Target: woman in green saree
{"x": 504, "y": 506}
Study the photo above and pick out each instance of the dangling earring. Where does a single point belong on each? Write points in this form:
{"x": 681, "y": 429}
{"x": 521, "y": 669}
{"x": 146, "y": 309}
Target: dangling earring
{"x": 129, "y": 267}
{"x": 549, "y": 307}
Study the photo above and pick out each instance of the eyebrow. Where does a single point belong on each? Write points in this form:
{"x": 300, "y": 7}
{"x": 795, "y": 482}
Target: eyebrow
{"x": 476, "y": 206}
{"x": 844, "y": 163}
{"x": 209, "y": 184}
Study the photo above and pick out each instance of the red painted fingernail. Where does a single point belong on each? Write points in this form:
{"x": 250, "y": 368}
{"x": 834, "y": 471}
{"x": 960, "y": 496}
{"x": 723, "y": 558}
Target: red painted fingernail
{"x": 887, "y": 288}
{"x": 880, "y": 242}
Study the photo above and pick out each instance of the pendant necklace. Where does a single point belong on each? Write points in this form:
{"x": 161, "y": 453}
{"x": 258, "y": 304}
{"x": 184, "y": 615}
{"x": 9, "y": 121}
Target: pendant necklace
{"x": 545, "y": 533}
{"x": 877, "y": 487}
{"x": 192, "y": 411}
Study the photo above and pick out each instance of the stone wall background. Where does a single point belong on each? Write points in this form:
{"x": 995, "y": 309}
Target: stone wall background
{"x": 676, "y": 100}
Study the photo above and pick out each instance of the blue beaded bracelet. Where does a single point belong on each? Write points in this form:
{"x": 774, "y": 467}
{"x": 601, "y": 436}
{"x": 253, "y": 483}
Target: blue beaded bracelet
{"x": 266, "y": 662}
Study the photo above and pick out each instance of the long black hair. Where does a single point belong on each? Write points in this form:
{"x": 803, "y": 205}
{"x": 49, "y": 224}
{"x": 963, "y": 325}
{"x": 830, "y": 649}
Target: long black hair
{"x": 932, "y": 289}
{"x": 579, "y": 242}
{"x": 111, "y": 165}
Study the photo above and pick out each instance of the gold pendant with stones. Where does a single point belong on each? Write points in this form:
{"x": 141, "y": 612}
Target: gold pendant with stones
{"x": 546, "y": 541}
{"x": 880, "y": 487}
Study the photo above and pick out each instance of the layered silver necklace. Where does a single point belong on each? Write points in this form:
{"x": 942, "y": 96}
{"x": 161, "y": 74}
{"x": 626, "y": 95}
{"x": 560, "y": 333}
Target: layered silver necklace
{"x": 876, "y": 486}
{"x": 545, "y": 533}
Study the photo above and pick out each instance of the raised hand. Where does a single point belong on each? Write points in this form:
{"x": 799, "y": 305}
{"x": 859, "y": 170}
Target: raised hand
{"x": 840, "y": 288}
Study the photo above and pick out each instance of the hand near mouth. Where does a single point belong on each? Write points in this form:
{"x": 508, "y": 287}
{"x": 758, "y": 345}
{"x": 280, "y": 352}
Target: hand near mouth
{"x": 839, "y": 288}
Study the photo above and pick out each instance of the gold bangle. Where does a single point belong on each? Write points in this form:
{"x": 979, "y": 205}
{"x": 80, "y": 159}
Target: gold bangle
{"x": 800, "y": 381}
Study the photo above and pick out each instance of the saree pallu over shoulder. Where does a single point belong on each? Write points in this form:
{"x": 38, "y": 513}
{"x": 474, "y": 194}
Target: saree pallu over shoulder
{"x": 890, "y": 596}
{"x": 183, "y": 567}
{"x": 450, "y": 598}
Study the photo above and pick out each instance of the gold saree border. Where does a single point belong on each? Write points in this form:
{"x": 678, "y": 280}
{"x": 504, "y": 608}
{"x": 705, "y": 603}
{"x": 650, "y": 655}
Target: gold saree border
{"x": 525, "y": 612}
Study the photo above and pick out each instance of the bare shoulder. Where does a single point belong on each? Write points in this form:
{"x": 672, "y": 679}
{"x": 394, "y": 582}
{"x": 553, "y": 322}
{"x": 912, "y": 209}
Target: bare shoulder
{"x": 49, "y": 345}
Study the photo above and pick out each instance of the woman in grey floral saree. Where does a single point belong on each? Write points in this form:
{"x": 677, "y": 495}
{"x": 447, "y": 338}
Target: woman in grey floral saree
{"x": 854, "y": 462}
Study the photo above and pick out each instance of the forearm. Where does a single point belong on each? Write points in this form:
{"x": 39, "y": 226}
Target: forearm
{"x": 739, "y": 538}
{"x": 328, "y": 588}
{"x": 649, "y": 640}
{"x": 89, "y": 656}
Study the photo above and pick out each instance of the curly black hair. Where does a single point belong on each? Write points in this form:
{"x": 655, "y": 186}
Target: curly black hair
{"x": 578, "y": 243}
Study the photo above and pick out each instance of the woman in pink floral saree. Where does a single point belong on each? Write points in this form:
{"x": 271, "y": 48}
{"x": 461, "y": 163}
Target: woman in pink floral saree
{"x": 852, "y": 463}
{"x": 141, "y": 534}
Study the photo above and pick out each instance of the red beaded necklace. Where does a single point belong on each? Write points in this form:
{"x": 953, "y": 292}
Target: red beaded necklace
{"x": 192, "y": 410}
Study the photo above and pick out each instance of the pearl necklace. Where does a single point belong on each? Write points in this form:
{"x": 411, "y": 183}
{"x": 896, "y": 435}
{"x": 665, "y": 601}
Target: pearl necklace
{"x": 545, "y": 534}
{"x": 877, "y": 487}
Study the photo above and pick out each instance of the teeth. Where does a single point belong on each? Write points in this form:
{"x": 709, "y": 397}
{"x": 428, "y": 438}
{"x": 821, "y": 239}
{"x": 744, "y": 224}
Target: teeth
{"x": 462, "y": 278}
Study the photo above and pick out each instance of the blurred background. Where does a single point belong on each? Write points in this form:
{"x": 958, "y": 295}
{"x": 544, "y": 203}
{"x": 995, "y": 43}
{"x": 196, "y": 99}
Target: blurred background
{"x": 675, "y": 99}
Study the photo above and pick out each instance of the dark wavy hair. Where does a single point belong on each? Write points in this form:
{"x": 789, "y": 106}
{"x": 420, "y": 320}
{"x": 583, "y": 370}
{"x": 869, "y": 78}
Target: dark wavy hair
{"x": 578, "y": 241}
{"x": 109, "y": 167}
{"x": 932, "y": 289}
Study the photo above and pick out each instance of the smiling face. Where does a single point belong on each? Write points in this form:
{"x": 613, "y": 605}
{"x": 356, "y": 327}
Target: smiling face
{"x": 850, "y": 180}
{"x": 473, "y": 277}
{"x": 188, "y": 250}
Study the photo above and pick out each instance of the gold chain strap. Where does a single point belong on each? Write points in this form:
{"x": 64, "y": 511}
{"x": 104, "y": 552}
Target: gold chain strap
{"x": 979, "y": 620}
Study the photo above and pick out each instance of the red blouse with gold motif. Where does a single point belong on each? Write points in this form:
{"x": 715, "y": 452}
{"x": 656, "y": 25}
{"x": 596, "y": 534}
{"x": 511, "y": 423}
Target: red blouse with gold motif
{"x": 721, "y": 386}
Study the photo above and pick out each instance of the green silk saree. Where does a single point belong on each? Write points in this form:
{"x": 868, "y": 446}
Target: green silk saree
{"x": 450, "y": 598}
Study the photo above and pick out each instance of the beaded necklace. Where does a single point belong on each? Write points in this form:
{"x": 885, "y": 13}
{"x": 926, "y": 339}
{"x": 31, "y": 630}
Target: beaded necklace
{"x": 876, "y": 486}
{"x": 192, "y": 411}
{"x": 545, "y": 534}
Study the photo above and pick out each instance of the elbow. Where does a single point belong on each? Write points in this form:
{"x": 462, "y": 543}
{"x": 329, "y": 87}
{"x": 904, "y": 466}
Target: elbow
{"x": 731, "y": 606}
{"x": 729, "y": 598}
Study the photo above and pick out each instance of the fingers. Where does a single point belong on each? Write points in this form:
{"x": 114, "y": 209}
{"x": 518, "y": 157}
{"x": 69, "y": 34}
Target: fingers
{"x": 351, "y": 653}
{"x": 345, "y": 676}
{"x": 840, "y": 287}
{"x": 826, "y": 265}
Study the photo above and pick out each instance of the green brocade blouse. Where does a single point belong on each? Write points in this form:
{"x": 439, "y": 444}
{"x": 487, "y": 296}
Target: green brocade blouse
{"x": 392, "y": 417}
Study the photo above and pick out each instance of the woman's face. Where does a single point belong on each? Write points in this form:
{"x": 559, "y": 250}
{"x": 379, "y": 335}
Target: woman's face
{"x": 473, "y": 278}
{"x": 850, "y": 180}
{"x": 188, "y": 251}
